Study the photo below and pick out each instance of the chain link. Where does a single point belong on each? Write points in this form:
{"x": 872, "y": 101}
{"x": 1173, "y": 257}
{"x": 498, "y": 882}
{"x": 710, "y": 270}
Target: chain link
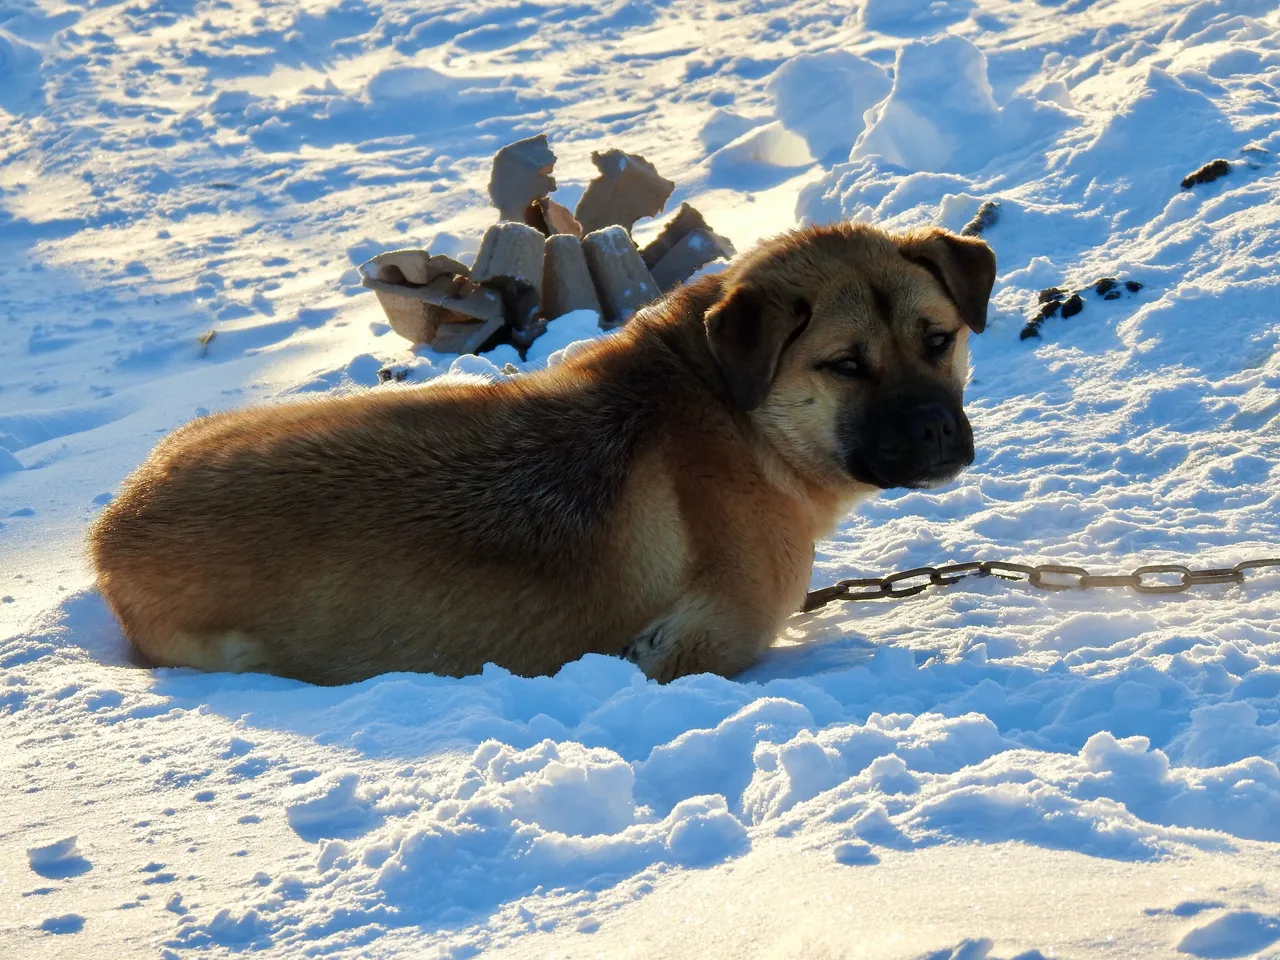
{"x": 1152, "y": 578}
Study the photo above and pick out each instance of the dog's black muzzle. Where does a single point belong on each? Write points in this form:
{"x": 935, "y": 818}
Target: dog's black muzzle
{"x": 919, "y": 444}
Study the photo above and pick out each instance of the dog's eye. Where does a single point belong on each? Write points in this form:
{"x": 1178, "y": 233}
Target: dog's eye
{"x": 938, "y": 343}
{"x": 847, "y": 367}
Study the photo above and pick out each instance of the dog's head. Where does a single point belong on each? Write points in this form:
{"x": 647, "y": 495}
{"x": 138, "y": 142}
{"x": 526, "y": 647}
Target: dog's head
{"x": 848, "y": 347}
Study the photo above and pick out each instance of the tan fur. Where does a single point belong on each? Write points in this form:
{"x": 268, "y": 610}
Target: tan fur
{"x": 626, "y": 499}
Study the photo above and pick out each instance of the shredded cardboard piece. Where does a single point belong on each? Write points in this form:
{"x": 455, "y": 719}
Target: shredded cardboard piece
{"x": 540, "y": 261}
{"x": 627, "y": 189}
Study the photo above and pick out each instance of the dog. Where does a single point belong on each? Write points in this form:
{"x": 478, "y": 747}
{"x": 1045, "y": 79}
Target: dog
{"x": 657, "y": 495}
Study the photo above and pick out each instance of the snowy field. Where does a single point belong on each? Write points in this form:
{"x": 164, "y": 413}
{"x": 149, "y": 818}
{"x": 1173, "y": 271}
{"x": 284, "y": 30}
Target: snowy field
{"x": 981, "y": 771}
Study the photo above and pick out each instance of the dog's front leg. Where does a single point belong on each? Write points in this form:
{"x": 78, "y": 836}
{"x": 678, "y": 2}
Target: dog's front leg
{"x": 700, "y": 635}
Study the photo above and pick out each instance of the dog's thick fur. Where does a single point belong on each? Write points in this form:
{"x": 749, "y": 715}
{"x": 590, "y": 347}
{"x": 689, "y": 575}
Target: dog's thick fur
{"x": 659, "y": 493}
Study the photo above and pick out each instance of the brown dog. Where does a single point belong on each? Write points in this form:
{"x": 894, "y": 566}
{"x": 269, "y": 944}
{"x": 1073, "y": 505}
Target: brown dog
{"x": 659, "y": 493}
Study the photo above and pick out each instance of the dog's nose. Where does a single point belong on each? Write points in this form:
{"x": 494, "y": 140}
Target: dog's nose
{"x": 932, "y": 426}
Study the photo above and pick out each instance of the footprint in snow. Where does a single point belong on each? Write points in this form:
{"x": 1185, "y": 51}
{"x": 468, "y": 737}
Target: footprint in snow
{"x": 1188, "y": 908}
{"x": 67, "y": 923}
{"x": 854, "y": 854}
{"x": 1240, "y": 933}
{"x": 58, "y": 860}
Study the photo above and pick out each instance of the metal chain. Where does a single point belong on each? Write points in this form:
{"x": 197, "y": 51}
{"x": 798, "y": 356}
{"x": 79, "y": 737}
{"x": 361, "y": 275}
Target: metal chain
{"x": 1153, "y": 578}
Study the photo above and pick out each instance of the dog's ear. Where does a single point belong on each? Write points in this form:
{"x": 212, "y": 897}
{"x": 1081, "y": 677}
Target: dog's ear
{"x": 747, "y": 335}
{"x": 965, "y": 266}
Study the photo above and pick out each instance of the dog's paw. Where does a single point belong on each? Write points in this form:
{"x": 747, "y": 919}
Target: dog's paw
{"x": 647, "y": 647}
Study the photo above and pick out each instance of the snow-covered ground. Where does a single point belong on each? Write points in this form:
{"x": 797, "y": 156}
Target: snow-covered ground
{"x": 981, "y": 771}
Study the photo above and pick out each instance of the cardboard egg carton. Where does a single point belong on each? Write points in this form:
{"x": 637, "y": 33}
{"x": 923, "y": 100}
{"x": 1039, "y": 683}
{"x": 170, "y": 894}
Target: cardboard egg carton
{"x": 540, "y": 261}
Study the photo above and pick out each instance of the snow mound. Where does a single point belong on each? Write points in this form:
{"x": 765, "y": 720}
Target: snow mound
{"x": 1223, "y": 733}
{"x": 770, "y": 145}
{"x": 723, "y": 127}
{"x": 941, "y": 113}
{"x": 1139, "y": 133}
{"x": 822, "y": 97}
{"x": 876, "y": 754}
{"x": 554, "y": 815}
{"x": 334, "y": 805}
{"x": 563, "y": 332}
{"x": 696, "y": 773}
{"x": 408, "y": 83}
{"x": 565, "y": 788}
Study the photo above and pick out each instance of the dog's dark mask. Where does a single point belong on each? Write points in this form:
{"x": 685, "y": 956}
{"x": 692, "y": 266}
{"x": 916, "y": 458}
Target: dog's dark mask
{"x": 916, "y": 441}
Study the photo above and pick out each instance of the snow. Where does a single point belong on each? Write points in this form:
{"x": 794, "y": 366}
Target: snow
{"x": 722, "y": 127}
{"x": 941, "y": 115}
{"x": 577, "y": 326}
{"x": 844, "y": 87}
{"x": 904, "y": 17}
{"x": 981, "y": 771}
{"x": 57, "y": 859}
{"x": 1232, "y": 935}
{"x": 770, "y": 145}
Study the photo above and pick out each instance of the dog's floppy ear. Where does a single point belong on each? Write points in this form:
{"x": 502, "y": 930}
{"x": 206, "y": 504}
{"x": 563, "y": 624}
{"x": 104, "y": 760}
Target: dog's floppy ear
{"x": 965, "y": 266}
{"x": 747, "y": 337}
